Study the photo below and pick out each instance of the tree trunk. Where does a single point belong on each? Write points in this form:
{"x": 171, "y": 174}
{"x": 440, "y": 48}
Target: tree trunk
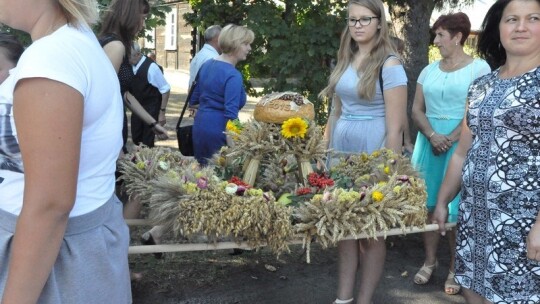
{"x": 411, "y": 22}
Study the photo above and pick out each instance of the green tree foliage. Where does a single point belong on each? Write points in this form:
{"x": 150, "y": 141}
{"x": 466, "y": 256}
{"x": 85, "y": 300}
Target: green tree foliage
{"x": 23, "y": 37}
{"x": 295, "y": 41}
{"x": 434, "y": 53}
{"x": 154, "y": 19}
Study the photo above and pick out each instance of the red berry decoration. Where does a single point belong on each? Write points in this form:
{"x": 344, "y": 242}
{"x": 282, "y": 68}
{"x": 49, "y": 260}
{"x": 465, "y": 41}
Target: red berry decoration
{"x": 239, "y": 182}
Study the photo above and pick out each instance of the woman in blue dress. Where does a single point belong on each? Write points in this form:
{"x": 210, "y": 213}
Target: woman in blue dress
{"x": 219, "y": 92}
{"x": 439, "y": 107}
{"x": 496, "y": 164}
{"x": 368, "y": 118}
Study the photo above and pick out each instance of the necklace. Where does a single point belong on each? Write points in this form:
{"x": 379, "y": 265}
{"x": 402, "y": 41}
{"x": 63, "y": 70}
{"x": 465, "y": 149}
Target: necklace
{"x": 453, "y": 66}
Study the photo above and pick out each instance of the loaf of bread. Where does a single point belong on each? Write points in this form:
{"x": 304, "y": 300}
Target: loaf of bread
{"x": 278, "y": 107}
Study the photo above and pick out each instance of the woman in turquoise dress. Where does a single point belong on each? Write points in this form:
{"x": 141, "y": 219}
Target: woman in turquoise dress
{"x": 438, "y": 110}
{"x": 370, "y": 116}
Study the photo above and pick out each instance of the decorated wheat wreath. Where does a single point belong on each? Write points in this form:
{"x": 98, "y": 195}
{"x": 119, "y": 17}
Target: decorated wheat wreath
{"x": 190, "y": 199}
{"x": 236, "y": 194}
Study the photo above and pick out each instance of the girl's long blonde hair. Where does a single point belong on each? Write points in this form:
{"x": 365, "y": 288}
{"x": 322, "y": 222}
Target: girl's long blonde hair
{"x": 348, "y": 48}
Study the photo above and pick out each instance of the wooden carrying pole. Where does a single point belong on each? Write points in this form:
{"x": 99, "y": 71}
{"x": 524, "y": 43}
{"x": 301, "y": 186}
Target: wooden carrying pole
{"x": 244, "y": 245}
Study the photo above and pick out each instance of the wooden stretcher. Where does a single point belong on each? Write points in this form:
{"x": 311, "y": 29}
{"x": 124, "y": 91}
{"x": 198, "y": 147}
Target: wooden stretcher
{"x": 141, "y": 249}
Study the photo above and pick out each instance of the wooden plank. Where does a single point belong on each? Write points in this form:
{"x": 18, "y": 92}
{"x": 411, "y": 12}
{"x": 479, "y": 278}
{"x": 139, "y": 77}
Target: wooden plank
{"x": 244, "y": 245}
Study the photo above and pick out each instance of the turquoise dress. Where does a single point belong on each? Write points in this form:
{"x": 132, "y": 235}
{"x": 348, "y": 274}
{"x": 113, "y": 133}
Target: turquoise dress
{"x": 445, "y": 95}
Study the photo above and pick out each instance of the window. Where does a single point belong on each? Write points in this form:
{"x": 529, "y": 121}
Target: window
{"x": 171, "y": 30}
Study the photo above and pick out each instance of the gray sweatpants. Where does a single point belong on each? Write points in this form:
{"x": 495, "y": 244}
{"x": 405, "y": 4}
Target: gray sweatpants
{"x": 92, "y": 266}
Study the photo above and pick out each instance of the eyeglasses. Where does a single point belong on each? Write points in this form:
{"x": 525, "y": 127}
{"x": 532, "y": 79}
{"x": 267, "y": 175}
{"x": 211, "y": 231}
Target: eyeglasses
{"x": 364, "y": 21}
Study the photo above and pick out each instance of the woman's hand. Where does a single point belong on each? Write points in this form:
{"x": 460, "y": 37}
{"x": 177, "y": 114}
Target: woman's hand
{"x": 440, "y": 214}
{"x": 160, "y": 132}
{"x": 533, "y": 243}
{"x": 440, "y": 143}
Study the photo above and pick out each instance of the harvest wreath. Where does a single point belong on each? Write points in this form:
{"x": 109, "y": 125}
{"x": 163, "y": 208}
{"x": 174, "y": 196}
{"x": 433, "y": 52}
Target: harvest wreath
{"x": 361, "y": 194}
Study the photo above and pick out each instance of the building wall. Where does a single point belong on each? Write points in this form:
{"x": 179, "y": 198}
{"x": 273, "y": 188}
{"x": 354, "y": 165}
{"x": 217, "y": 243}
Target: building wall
{"x": 179, "y": 58}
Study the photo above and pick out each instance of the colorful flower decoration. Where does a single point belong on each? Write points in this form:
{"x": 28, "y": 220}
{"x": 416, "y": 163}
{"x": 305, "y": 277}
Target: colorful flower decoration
{"x": 231, "y": 189}
{"x": 163, "y": 165}
{"x": 202, "y": 183}
{"x": 294, "y": 127}
{"x": 377, "y": 196}
{"x": 140, "y": 165}
{"x": 320, "y": 180}
{"x": 234, "y": 126}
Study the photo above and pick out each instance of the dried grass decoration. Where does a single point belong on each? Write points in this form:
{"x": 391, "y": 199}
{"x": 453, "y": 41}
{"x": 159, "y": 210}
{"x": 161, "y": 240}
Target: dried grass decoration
{"x": 189, "y": 199}
{"x": 372, "y": 193}
{"x": 146, "y": 164}
{"x": 264, "y": 153}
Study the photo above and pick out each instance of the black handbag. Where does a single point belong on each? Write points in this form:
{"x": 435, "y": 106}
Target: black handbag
{"x": 184, "y": 134}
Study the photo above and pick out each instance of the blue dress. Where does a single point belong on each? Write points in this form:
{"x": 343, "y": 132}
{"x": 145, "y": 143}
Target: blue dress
{"x": 220, "y": 95}
{"x": 445, "y": 95}
{"x": 500, "y": 195}
{"x": 362, "y": 124}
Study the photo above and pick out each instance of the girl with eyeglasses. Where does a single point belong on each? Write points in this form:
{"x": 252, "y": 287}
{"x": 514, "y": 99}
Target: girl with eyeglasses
{"x": 369, "y": 117}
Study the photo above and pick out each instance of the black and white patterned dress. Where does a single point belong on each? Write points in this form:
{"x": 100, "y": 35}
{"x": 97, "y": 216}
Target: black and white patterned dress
{"x": 500, "y": 197}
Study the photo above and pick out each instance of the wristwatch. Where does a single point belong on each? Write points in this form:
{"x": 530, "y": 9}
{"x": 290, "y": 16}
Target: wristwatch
{"x": 163, "y": 109}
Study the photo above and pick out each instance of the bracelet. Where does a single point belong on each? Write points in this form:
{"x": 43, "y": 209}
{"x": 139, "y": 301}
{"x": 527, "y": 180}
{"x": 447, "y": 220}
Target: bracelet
{"x": 163, "y": 109}
{"x": 153, "y": 124}
{"x": 431, "y": 135}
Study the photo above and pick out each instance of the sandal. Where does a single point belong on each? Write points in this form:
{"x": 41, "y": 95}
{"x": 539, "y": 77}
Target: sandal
{"x": 424, "y": 274}
{"x": 450, "y": 285}
{"x": 338, "y": 301}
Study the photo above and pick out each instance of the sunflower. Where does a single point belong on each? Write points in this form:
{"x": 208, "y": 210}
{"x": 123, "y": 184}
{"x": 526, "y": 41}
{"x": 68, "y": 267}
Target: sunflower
{"x": 234, "y": 126}
{"x": 294, "y": 127}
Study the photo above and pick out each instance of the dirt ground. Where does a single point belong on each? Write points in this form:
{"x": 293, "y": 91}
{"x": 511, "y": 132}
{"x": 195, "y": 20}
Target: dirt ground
{"x": 212, "y": 277}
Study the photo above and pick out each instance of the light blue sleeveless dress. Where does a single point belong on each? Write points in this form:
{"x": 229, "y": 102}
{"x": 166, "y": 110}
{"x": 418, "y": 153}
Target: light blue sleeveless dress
{"x": 445, "y": 95}
{"x": 362, "y": 126}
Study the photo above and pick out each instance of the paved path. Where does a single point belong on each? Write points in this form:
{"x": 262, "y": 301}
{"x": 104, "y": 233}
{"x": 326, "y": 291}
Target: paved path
{"x": 178, "y": 81}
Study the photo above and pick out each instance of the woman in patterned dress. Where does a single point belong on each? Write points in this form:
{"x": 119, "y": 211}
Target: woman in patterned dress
{"x": 370, "y": 116}
{"x": 497, "y": 163}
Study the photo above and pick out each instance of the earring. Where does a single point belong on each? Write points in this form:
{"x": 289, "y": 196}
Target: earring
{"x": 456, "y": 43}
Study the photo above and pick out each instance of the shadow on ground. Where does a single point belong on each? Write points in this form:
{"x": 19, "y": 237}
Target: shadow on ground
{"x": 213, "y": 277}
